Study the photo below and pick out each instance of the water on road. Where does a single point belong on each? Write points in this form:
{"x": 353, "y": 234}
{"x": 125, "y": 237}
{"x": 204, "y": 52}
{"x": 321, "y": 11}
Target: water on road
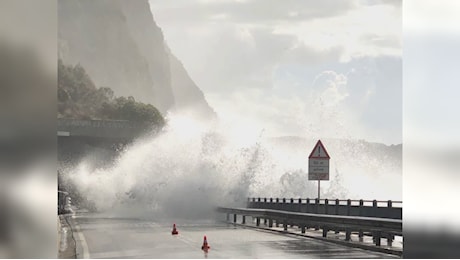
{"x": 101, "y": 236}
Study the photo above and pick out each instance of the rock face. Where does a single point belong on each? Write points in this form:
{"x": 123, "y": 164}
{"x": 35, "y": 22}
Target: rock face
{"x": 121, "y": 47}
{"x": 186, "y": 93}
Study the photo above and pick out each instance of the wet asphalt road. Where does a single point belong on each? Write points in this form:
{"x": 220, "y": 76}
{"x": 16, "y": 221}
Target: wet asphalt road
{"x": 107, "y": 237}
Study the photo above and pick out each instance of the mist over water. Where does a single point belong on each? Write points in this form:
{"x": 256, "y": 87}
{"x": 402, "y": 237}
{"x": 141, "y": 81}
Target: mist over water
{"x": 190, "y": 167}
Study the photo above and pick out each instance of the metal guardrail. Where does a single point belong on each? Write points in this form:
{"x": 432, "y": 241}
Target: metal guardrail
{"x": 118, "y": 129}
{"x": 379, "y": 227}
{"x": 95, "y": 123}
{"x": 364, "y": 208}
{"x": 367, "y": 223}
{"x": 380, "y": 203}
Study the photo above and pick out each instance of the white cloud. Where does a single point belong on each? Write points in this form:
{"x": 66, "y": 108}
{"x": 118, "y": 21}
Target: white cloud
{"x": 256, "y": 61}
{"x": 364, "y": 31}
{"x": 333, "y": 87}
{"x": 317, "y": 113}
{"x": 428, "y": 16}
{"x": 249, "y": 11}
{"x": 221, "y": 44}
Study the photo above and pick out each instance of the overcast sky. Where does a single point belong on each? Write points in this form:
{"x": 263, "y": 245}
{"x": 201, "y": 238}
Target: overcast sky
{"x": 431, "y": 114}
{"x": 431, "y": 67}
{"x": 307, "y": 68}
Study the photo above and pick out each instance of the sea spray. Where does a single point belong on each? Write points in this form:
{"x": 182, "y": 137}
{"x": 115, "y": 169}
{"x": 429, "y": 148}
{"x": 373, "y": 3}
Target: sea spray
{"x": 190, "y": 167}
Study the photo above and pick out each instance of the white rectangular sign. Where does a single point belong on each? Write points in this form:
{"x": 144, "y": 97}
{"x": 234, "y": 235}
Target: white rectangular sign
{"x": 63, "y": 133}
{"x": 318, "y": 169}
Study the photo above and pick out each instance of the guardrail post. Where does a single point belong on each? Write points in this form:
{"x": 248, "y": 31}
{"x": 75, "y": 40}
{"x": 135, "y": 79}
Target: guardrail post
{"x": 377, "y": 237}
{"x": 265, "y": 200}
{"x": 284, "y": 200}
{"x": 257, "y": 221}
{"x": 271, "y": 200}
{"x": 348, "y": 207}
{"x": 270, "y": 223}
{"x": 361, "y": 236}
{"x": 390, "y": 238}
{"x": 326, "y": 206}
{"x": 374, "y": 208}
{"x": 265, "y": 221}
{"x": 337, "y": 204}
{"x": 302, "y": 229}
{"x": 234, "y": 218}
{"x": 277, "y": 200}
{"x": 325, "y": 231}
{"x": 390, "y": 204}
{"x": 347, "y": 235}
{"x": 243, "y": 221}
{"x": 258, "y": 199}
{"x": 361, "y": 207}
{"x": 285, "y": 226}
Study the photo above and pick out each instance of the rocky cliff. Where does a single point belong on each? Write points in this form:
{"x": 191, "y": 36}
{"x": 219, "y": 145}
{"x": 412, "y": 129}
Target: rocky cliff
{"x": 121, "y": 47}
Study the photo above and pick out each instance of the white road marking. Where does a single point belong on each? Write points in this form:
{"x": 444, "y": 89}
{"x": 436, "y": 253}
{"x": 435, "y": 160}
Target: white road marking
{"x": 82, "y": 239}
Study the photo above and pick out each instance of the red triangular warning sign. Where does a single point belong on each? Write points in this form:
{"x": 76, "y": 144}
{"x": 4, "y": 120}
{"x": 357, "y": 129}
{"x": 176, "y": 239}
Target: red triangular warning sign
{"x": 319, "y": 151}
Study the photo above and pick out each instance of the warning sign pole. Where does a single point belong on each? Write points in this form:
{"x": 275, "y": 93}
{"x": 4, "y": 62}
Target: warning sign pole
{"x": 319, "y": 181}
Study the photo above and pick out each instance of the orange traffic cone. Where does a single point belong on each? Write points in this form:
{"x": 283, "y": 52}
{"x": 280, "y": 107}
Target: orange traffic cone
{"x": 174, "y": 231}
{"x": 205, "y": 247}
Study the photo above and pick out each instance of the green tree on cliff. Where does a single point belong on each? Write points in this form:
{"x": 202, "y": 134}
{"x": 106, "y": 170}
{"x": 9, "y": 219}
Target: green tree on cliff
{"x": 79, "y": 98}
